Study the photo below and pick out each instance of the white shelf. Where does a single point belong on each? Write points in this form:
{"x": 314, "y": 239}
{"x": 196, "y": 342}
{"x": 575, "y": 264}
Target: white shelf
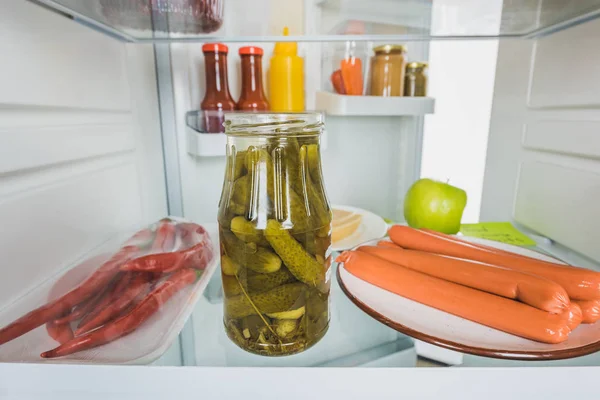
{"x": 214, "y": 144}
{"x": 205, "y": 144}
{"x": 383, "y": 20}
{"x": 336, "y": 104}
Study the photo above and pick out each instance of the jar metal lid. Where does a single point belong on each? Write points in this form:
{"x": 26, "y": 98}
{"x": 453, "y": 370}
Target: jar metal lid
{"x": 390, "y": 48}
{"x": 417, "y": 65}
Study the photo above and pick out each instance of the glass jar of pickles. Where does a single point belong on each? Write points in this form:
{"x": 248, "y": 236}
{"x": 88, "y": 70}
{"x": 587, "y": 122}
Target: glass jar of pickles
{"x": 275, "y": 233}
{"x": 415, "y": 80}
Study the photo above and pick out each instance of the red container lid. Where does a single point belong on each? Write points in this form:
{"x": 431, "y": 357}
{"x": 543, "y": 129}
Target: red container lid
{"x": 251, "y": 50}
{"x": 215, "y": 48}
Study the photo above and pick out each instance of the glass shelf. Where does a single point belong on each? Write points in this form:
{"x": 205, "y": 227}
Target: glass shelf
{"x": 326, "y": 20}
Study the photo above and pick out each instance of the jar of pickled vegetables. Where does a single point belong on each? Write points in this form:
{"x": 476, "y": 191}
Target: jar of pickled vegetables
{"x": 275, "y": 233}
{"x": 415, "y": 81}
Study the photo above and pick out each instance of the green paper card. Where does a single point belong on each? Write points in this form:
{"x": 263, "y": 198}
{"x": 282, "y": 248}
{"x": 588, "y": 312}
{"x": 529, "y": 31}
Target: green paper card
{"x": 503, "y": 232}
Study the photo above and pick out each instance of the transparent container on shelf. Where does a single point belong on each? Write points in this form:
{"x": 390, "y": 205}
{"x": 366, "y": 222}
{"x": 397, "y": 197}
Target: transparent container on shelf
{"x": 345, "y": 64}
{"x": 275, "y": 233}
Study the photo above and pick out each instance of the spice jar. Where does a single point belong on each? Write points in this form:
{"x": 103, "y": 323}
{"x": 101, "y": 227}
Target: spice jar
{"x": 217, "y": 98}
{"x": 415, "y": 82}
{"x": 275, "y": 233}
{"x": 387, "y": 70}
{"x": 252, "y": 97}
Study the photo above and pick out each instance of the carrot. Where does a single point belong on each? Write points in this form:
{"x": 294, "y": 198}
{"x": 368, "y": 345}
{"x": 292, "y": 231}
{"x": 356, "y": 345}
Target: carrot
{"x": 590, "y": 310}
{"x": 477, "y": 306}
{"x": 352, "y": 75}
{"x": 580, "y": 283}
{"x": 530, "y": 289}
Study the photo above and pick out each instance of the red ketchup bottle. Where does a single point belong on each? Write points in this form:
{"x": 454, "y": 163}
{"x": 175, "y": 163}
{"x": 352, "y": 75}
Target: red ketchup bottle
{"x": 252, "y": 97}
{"x": 217, "y": 98}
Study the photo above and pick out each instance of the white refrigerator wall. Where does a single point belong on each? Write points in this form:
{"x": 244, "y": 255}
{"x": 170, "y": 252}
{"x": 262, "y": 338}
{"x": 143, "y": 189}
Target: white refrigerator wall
{"x": 543, "y": 160}
{"x": 80, "y": 143}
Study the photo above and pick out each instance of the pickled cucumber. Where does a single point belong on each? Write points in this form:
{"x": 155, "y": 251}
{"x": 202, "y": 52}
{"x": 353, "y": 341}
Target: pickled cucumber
{"x": 228, "y": 266}
{"x": 260, "y": 260}
{"x": 260, "y": 170}
{"x": 308, "y": 240}
{"x": 263, "y": 282}
{"x": 314, "y": 163}
{"x": 245, "y": 231}
{"x": 317, "y": 201}
{"x": 231, "y": 287}
{"x": 292, "y": 314}
{"x": 239, "y": 196}
{"x": 300, "y": 263}
{"x": 239, "y": 168}
{"x": 282, "y": 298}
{"x": 284, "y": 327}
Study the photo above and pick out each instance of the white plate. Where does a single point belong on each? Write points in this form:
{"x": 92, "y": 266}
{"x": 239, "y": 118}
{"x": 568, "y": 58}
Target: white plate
{"x": 446, "y": 330}
{"x": 372, "y": 226}
{"x": 143, "y": 346}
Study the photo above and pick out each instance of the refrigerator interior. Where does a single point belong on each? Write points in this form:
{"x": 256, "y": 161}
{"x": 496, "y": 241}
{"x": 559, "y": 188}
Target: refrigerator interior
{"x": 95, "y": 142}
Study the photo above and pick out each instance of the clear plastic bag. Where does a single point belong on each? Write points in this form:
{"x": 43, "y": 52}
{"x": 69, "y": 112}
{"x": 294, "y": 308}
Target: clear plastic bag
{"x": 123, "y": 306}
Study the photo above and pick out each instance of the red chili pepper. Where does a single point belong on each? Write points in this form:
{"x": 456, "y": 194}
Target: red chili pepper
{"x": 162, "y": 262}
{"x": 115, "y": 289}
{"x": 81, "y": 309}
{"x": 198, "y": 256}
{"x": 141, "y": 239}
{"x": 129, "y": 322}
{"x": 139, "y": 285}
{"x": 100, "y": 278}
{"x": 165, "y": 237}
{"x": 62, "y": 333}
{"x": 190, "y": 233}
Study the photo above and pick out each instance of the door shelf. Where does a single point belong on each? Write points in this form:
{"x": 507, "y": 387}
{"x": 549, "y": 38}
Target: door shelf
{"x": 340, "y": 105}
{"x": 203, "y": 144}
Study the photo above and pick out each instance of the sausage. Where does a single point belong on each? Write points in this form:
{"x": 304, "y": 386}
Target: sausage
{"x": 536, "y": 291}
{"x": 575, "y": 316}
{"x": 590, "y": 310}
{"x": 477, "y": 306}
{"x": 580, "y": 283}
{"x": 387, "y": 243}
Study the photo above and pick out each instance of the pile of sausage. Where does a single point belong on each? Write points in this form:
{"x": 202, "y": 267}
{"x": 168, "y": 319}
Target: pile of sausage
{"x": 524, "y": 296}
{"x": 123, "y": 292}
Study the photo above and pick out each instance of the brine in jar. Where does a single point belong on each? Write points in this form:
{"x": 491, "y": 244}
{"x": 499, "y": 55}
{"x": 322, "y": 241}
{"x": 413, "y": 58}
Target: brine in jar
{"x": 275, "y": 233}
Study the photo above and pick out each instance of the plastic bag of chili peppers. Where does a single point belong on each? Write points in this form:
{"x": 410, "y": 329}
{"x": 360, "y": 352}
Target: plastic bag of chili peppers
{"x": 124, "y": 306}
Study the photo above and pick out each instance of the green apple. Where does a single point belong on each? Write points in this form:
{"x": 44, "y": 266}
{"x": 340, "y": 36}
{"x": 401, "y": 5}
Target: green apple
{"x": 434, "y": 205}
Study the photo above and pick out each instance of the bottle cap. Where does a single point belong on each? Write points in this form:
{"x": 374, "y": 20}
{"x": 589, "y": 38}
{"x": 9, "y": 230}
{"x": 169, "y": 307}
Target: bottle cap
{"x": 251, "y": 50}
{"x": 215, "y": 48}
{"x": 286, "y": 48}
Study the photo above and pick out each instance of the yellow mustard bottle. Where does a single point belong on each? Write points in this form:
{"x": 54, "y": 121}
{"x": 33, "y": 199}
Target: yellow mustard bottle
{"x": 286, "y": 77}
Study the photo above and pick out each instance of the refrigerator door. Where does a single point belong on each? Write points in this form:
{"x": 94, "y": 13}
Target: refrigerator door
{"x": 543, "y": 160}
{"x": 80, "y": 143}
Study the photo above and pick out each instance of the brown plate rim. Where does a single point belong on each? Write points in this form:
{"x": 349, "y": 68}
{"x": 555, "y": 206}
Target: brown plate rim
{"x": 463, "y": 348}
